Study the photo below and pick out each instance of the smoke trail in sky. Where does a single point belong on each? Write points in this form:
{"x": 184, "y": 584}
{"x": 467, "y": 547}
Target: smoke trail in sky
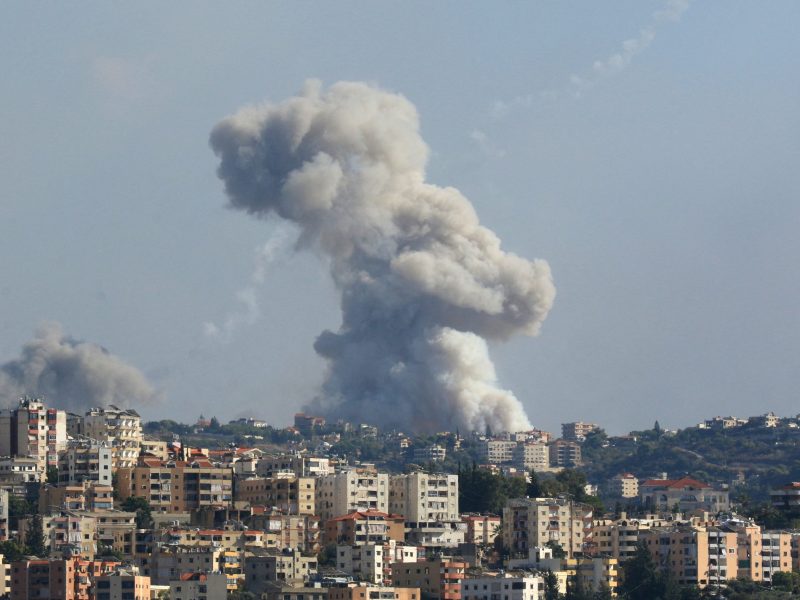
{"x": 423, "y": 285}
{"x": 72, "y": 374}
{"x": 249, "y": 310}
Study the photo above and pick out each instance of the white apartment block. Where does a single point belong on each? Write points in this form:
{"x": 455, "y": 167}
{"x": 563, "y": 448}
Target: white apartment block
{"x": 625, "y": 485}
{"x": 532, "y": 456}
{"x": 300, "y": 465}
{"x": 365, "y": 562}
{"x": 85, "y": 460}
{"x": 503, "y": 587}
{"x": 121, "y": 428}
{"x": 531, "y": 522}
{"x": 32, "y": 429}
{"x": 355, "y": 489}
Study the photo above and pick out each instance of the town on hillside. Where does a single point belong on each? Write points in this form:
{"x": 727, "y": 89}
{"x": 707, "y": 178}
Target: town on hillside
{"x": 105, "y": 506}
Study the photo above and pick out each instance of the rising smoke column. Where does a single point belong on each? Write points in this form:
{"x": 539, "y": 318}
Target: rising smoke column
{"x": 71, "y": 374}
{"x": 423, "y": 285}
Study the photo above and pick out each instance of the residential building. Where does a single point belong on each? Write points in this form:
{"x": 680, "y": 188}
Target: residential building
{"x": 156, "y": 448}
{"x": 564, "y": 453}
{"x": 531, "y": 456}
{"x": 787, "y": 496}
{"x": 530, "y": 522}
{"x": 288, "y": 531}
{"x": 437, "y": 578}
{"x": 121, "y": 428}
{"x": 362, "y": 591}
{"x": 364, "y": 527}
{"x": 429, "y": 502}
{"x": 20, "y": 470}
{"x": 69, "y": 534}
{"x": 3, "y": 516}
{"x": 85, "y": 460}
{"x": 577, "y": 431}
{"x": 354, "y": 489}
{"x": 288, "y": 565}
{"x": 199, "y": 586}
{"x": 432, "y": 453}
{"x": 286, "y": 492}
{"x": 123, "y": 584}
{"x": 307, "y": 424}
{"x": 300, "y": 465}
{"x": 176, "y": 486}
{"x": 482, "y": 529}
{"x": 32, "y": 429}
{"x": 365, "y": 562}
{"x": 57, "y": 579}
{"x": 498, "y": 451}
{"x": 597, "y": 573}
{"x": 694, "y": 555}
{"x": 503, "y": 587}
{"x": 624, "y": 485}
{"x": 686, "y": 494}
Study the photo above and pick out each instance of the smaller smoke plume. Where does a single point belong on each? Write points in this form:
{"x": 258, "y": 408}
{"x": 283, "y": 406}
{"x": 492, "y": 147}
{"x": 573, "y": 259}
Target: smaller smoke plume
{"x": 71, "y": 374}
{"x": 250, "y": 311}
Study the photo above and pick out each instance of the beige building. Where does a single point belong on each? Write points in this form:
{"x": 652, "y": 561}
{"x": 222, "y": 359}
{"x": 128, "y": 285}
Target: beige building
{"x": 578, "y": 430}
{"x": 287, "y": 565}
{"x": 67, "y": 534}
{"x": 286, "y": 492}
{"x": 32, "y": 429}
{"x": 437, "y": 578}
{"x": 354, "y": 489}
{"x": 176, "y": 486}
{"x": 496, "y": 452}
{"x": 564, "y": 453}
{"x": 298, "y": 464}
{"x": 532, "y": 456}
{"x": 424, "y": 498}
{"x": 504, "y": 587}
{"x": 482, "y": 529}
{"x": 124, "y": 584}
{"x": 694, "y": 555}
{"x": 686, "y": 494}
{"x": 122, "y": 429}
{"x": 532, "y": 522}
{"x": 198, "y": 585}
{"x": 354, "y": 591}
{"x": 625, "y": 485}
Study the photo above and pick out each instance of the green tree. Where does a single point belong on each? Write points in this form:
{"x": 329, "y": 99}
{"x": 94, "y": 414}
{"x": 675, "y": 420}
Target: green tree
{"x": 641, "y": 579}
{"x": 35, "y": 542}
{"x": 144, "y": 517}
{"x": 558, "y": 550}
{"x": 52, "y": 475}
{"x": 12, "y": 550}
{"x": 550, "y": 586}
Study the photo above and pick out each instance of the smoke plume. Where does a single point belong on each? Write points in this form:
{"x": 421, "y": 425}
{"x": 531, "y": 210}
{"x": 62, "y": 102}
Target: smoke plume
{"x": 71, "y": 375}
{"x": 423, "y": 285}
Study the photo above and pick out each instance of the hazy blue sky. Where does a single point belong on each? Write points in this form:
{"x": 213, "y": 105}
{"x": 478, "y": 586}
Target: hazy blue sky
{"x": 659, "y": 177}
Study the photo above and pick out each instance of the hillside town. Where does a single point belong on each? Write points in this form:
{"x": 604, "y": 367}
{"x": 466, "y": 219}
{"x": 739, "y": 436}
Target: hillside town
{"x": 104, "y": 506}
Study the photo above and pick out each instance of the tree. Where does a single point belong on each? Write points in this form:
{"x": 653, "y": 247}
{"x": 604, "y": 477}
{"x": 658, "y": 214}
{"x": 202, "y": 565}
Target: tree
{"x": 12, "y": 550}
{"x": 558, "y": 550}
{"x": 35, "y": 542}
{"x": 141, "y": 507}
{"x": 550, "y": 586}
{"x": 52, "y": 475}
{"x": 641, "y": 579}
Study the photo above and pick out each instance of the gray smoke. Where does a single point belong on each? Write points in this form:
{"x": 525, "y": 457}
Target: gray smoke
{"x": 423, "y": 284}
{"x": 71, "y": 375}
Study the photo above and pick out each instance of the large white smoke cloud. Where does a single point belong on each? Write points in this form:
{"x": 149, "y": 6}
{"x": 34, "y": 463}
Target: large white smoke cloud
{"x": 423, "y": 284}
{"x": 72, "y": 375}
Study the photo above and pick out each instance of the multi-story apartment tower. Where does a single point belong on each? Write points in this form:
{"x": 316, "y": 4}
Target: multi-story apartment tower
{"x": 578, "y": 430}
{"x": 531, "y": 456}
{"x": 424, "y": 498}
{"x": 288, "y": 493}
{"x": 355, "y": 489}
{"x": 121, "y": 428}
{"x": 531, "y": 522}
{"x": 33, "y": 429}
{"x": 84, "y": 460}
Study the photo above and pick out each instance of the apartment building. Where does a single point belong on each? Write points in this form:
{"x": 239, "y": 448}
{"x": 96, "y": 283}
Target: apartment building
{"x": 424, "y": 498}
{"x": 287, "y": 565}
{"x": 198, "y": 585}
{"x": 437, "y": 578}
{"x": 497, "y": 452}
{"x": 354, "y": 489}
{"x": 85, "y": 460}
{"x": 300, "y": 465}
{"x": 532, "y": 522}
{"x": 288, "y": 531}
{"x": 503, "y": 587}
{"x": 361, "y": 591}
{"x": 620, "y": 537}
{"x": 70, "y": 579}
{"x": 365, "y": 562}
{"x": 364, "y": 527}
{"x": 121, "y": 428}
{"x": 81, "y": 496}
{"x": 286, "y": 492}
{"x": 531, "y": 456}
{"x": 694, "y": 555}
{"x": 176, "y": 486}
{"x": 786, "y": 496}
{"x": 432, "y": 453}
{"x": 482, "y": 529}
{"x": 123, "y": 584}
{"x": 686, "y": 494}
{"x": 564, "y": 454}
{"x": 67, "y": 534}
{"x": 32, "y": 429}
{"x": 624, "y": 485}
{"x": 578, "y": 430}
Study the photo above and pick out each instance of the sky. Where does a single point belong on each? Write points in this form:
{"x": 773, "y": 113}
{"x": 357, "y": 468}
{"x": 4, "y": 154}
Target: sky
{"x": 647, "y": 150}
